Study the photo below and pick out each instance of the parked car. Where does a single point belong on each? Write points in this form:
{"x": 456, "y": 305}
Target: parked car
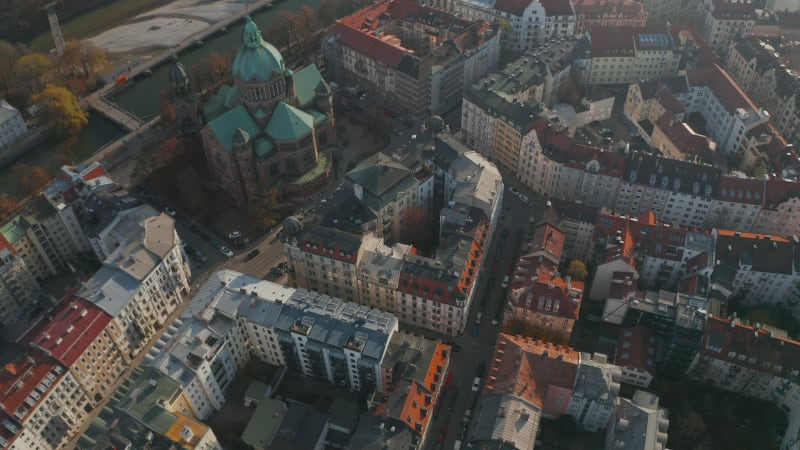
{"x": 200, "y": 256}
{"x": 505, "y": 282}
{"x": 524, "y": 198}
{"x": 170, "y": 210}
{"x": 226, "y": 251}
{"x": 235, "y": 234}
{"x": 476, "y": 384}
{"x": 276, "y": 271}
{"x": 513, "y": 190}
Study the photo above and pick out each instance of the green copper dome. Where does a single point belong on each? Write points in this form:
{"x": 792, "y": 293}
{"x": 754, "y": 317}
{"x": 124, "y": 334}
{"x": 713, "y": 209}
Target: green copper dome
{"x": 256, "y": 57}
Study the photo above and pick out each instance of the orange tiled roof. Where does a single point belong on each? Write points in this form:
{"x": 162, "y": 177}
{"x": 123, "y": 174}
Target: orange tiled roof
{"x": 533, "y": 370}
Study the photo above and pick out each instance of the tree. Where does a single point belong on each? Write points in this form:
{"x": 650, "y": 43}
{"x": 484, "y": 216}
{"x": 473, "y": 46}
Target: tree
{"x": 31, "y": 178}
{"x": 191, "y": 188}
{"x": 168, "y": 150}
{"x": 32, "y": 70}
{"x": 167, "y": 108}
{"x": 8, "y": 57}
{"x": 8, "y": 206}
{"x": 265, "y": 209}
{"x": 59, "y": 108}
{"x": 83, "y": 58}
{"x": 577, "y": 270}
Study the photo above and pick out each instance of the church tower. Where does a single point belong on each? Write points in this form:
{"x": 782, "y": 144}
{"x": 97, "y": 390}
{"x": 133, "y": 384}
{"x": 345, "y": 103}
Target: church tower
{"x": 185, "y": 101}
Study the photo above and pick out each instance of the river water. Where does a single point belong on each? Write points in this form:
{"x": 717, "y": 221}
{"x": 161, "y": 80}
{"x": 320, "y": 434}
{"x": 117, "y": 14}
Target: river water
{"x": 142, "y": 98}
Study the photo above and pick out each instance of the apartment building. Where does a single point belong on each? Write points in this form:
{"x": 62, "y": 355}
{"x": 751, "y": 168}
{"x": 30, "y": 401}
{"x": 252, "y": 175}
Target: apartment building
{"x": 142, "y": 281}
{"x": 529, "y": 379}
{"x": 144, "y": 412}
{"x": 533, "y": 22}
{"x": 416, "y": 58}
{"x": 203, "y": 357}
{"x": 511, "y": 406}
{"x": 636, "y": 355}
{"x": 471, "y": 9}
{"x": 760, "y": 68}
{"x": 664, "y": 255}
{"x": 777, "y": 23}
{"x": 625, "y": 55}
{"x": 12, "y": 125}
{"x": 648, "y": 101}
{"x": 593, "y": 14}
{"x": 85, "y": 340}
{"x": 414, "y": 370}
{"x": 324, "y": 260}
{"x": 760, "y": 269}
{"x": 721, "y": 20}
{"x": 728, "y": 111}
{"x": 586, "y": 174}
{"x": 310, "y": 333}
{"x": 676, "y": 191}
{"x": 577, "y": 222}
{"x": 753, "y": 360}
{"x": 676, "y": 321}
{"x": 42, "y": 404}
{"x": 392, "y": 192}
{"x": 595, "y": 392}
{"x": 543, "y": 303}
{"x": 638, "y": 423}
{"x": 19, "y": 291}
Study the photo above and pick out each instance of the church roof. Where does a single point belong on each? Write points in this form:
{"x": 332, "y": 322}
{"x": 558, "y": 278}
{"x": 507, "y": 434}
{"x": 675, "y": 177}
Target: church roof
{"x": 289, "y": 123}
{"x": 305, "y": 84}
{"x": 256, "y": 58}
{"x": 227, "y": 124}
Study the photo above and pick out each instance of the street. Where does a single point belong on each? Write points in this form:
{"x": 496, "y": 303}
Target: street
{"x": 473, "y": 351}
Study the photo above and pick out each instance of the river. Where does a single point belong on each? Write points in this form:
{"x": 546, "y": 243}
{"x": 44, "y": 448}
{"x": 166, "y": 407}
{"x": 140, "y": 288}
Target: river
{"x": 142, "y": 98}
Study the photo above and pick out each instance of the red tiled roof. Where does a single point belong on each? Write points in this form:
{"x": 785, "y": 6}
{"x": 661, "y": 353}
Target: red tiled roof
{"x": 368, "y": 45}
{"x": 637, "y": 348}
{"x": 703, "y": 54}
{"x": 547, "y": 238}
{"x": 616, "y": 8}
{"x": 557, "y": 7}
{"x": 20, "y": 378}
{"x": 4, "y": 244}
{"x": 725, "y": 88}
{"x": 765, "y": 253}
{"x": 532, "y": 370}
{"x": 737, "y": 343}
{"x": 515, "y": 7}
{"x": 532, "y": 284}
{"x": 578, "y": 156}
{"x": 779, "y": 190}
{"x": 733, "y": 10}
{"x": 740, "y": 190}
{"x": 72, "y": 327}
{"x": 684, "y": 137}
{"x": 97, "y": 172}
{"x": 613, "y": 42}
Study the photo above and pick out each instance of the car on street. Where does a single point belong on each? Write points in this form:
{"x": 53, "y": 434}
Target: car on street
{"x": 606, "y": 132}
{"x": 170, "y": 210}
{"x": 226, "y": 251}
{"x": 476, "y": 384}
{"x": 524, "y": 198}
{"x": 505, "y": 282}
{"x": 276, "y": 271}
{"x": 200, "y": 256}
{"x": 235, "y": 234}
{"x": 252, "y": 254}
{"x": 513, "y": 190}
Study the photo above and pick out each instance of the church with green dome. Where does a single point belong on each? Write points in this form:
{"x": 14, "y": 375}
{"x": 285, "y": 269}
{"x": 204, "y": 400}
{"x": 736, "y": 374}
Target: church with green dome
{"x": 270, "y": 128}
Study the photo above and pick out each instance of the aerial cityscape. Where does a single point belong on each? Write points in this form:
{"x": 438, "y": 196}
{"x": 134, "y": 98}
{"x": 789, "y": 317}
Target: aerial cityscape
{"x": 400, "y": 225}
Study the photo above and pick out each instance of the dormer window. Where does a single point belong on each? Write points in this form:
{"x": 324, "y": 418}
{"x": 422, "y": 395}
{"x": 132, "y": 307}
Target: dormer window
{"x": 633, "y": 176}
{"x": 676, "y": 184}
{"x": 665, "y": 182}
{"x": 696, "y": 188}
{"x": 653, "y": 180}
{"x": 708, "y": 189}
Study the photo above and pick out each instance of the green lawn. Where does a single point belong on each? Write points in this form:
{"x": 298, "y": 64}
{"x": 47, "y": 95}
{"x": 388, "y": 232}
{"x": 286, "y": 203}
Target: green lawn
{"x": 96, "y": 20}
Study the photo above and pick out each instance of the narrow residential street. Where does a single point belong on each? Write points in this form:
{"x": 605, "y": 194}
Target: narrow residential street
{"x": 474, "y": 350}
